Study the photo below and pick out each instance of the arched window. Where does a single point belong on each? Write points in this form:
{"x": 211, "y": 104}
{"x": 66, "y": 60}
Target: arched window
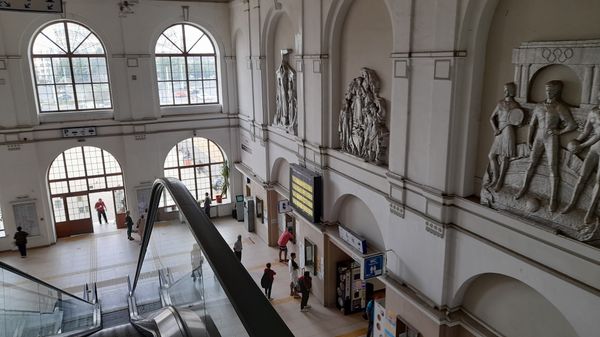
{"x": 69, "y": 64}
{"x": 198, "y": 163}
{"x": 186, "y": 67}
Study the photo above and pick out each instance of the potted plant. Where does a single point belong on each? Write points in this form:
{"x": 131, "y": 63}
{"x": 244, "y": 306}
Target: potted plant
{"x": 221, "y": 184}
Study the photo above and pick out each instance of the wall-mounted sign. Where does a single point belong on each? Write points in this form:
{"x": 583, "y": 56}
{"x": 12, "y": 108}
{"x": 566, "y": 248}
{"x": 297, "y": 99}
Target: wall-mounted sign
{"x": 356, "y": 241}
{"x": 283, "y": 206}
{"x": 372, "y": 266}
{"x": 44, "y": 6}
{"x": 78, "y": 132}
{"x": 306, "y": 192}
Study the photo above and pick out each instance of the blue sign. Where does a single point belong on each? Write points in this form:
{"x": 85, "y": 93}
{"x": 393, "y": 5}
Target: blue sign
{"x": 373, "y": 266}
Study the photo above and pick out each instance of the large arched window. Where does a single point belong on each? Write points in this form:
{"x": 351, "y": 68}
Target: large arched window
{"x": 198, "y": 163}
{"x": 186, "y": 67}
{"x": 69, "y": 64}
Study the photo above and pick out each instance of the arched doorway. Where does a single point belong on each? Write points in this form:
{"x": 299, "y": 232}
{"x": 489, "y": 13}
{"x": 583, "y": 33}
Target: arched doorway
{"x": 79, "y": 177}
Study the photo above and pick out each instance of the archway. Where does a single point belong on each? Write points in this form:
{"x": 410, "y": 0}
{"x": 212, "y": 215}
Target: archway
{"x": 77, "y": 178}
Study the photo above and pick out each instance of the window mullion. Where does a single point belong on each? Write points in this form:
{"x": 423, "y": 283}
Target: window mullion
{"x": 73, "y": 81}
{"x": 172, "y": 80}
{"x": 92, "y": 84}
{"x": 54, "y": 85}
{"x": 187, "y": 80}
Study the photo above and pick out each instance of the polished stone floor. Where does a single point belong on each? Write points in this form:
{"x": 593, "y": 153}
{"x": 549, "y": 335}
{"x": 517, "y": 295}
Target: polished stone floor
{"x": 108, "y": 257}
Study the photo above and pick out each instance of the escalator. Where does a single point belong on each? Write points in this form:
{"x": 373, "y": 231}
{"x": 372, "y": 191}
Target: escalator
{"x": 187, "y": 283}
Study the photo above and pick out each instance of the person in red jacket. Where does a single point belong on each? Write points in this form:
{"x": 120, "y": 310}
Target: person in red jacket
{"x": 101, "y": 209}
{"x": 282, "y": 243}
{"x": 267, "y": 280}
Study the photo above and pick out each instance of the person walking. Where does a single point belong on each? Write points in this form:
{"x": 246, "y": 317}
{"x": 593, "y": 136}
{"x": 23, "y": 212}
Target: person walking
{"x": 129, "y": 223}
{"x": 305, "y": 283}
{"x": 141, "y": 225}
{"x": 293, "y": 270}
{"x": 101, "y": 209}
{"x": 237, "y": 248}
{"x": 266, "y": 280}
{"x": 370, "y": 310}
{"x": 286, "y": 236}
{"x": 207, "y": 202}
{"x": 21, "y": 241}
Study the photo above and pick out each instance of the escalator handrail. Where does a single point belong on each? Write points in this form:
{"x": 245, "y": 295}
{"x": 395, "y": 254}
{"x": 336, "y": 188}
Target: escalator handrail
{"x": 254, "y": 310}
{"x": 37, "y": 280}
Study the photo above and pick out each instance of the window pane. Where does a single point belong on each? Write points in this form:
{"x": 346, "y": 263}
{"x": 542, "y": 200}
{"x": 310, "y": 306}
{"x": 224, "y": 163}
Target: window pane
{"x": 164, "y": 46}
{"x": 74, "y": 162}
{"x": 56, "y": 33}
{"x": 175, "y": 35}
{"x": 215, "y": 153}
{"x": 43, "y": 70}
{"x": 217, "y": 179}
{"x": 196, "y": 94}
{"x": 57, "y": 169}
{"x": 93, "y": 161}
{"x": 185, "y": 152}
{"x": 78, "y": 185}
{"x": 98, "y": 69}
{"x": 201, "y": 150}
{"x": 96, "y": 183}
{"x": 187, "y": 177}
{"x": 59, "y": 187}
{"x": 180, "y": 92}
{"x": 81, "y": 70}
{"x": 194, "y": 68}
{"x": 78, "y": 207}
{"x": 62, "y": 70}
{"x": 172, "y": 173}
{"x": 203, "y": 181}
{"x": 85, "y": 97}
{"x": 2, "y": 233}
{"x": 171, "y": 160}
{"x": 43, "y": 45}
{"x": 110, "y": 164}
{"x": 59, "y": 210}
{"x": 47, "y": 98}
{"x": 114, "y": 181}
{"x": 208, "y": 68}
{"x": 178, "y": 68}
{"x": 204, "y": 46}
{"x": 163, "y": 68}
{"x": 66, "y": 97}
{"x": 192, "y": 35}
{"x": 210, "y": 92}
{"x": 165, "y": 93}
{"x": 77, "y": 33}
{"x": 91, "y": 45}
{"x": 102, "y": 96}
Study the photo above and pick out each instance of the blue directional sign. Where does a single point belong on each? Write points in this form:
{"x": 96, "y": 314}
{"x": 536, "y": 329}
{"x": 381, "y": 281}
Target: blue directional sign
{"x": 373, "y": 266}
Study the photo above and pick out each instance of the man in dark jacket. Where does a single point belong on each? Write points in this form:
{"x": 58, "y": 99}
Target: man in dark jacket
{"x": 129, "y": 223}
{"x": 21, "y": 241}
{"x": 305, "y": 283}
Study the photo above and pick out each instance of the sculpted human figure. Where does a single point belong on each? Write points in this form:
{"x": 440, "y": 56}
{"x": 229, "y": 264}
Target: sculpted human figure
{"x": 543, "y": 136}
{"x": 285, "y": 98}
{"x": 504, "y": 146}
{"x": 589, "y": 137}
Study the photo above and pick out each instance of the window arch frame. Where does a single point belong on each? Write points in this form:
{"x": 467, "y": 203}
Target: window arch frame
{"x": 185, "y": 55}
{"x": 194, "y": 166}
{"x": 70, "y": 55}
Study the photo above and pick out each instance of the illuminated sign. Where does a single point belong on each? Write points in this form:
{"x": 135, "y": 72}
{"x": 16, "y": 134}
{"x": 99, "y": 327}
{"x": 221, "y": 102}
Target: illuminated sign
{"x": 306, "y": 192}
{"x": 44, "y": 6}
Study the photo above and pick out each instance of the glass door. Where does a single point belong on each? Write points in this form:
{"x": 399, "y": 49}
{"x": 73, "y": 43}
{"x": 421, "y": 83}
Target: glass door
{"x": 120, "y": 207}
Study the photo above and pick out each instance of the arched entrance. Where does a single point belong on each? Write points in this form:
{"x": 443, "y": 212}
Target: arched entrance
{"x": 79, "y": 177}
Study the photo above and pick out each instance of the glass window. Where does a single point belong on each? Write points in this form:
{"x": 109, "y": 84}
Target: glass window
{"x": 69, "y": 64}
{"x": 2, "y": 233}
{"x": 198, "y": 163}
{"x": 186, "y": 67}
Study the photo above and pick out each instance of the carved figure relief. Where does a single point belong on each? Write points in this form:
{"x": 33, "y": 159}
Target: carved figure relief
{"x": 285, "y": 98}
{"x": 361, "y": 127}
{"x": 545, "y": 176}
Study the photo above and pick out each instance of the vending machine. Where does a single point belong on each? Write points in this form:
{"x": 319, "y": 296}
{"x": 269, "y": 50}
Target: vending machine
{"x": 351, "y": 294}
{"x": 239, "y": 207}
{"x": 249, "y": 217}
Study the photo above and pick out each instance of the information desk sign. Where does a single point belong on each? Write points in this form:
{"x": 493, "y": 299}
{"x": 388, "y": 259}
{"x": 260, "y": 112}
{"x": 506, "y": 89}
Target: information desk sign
{"x": 372, "y": 266}
{"x": 306, "y": 193}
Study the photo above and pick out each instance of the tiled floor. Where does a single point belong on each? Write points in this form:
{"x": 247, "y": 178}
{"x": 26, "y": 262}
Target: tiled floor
{"x": 107, "y": 258}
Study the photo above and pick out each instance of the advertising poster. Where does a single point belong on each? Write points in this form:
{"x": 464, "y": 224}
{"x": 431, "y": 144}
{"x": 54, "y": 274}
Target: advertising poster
{"x": 385, "y": 321}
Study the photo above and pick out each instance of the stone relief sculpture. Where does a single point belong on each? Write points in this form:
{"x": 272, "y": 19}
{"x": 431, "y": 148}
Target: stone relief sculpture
{"x": 285, "y": 98}
{"x": 506, "y": 117}
{"x": 543, "y": 136}
{"x": 361, "y": 127}
{"x": 536, "y": 173}
{"x": 590, "y": 138}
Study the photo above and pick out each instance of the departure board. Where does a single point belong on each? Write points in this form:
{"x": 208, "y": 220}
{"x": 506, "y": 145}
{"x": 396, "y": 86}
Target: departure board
{"x": 306, "y": 192}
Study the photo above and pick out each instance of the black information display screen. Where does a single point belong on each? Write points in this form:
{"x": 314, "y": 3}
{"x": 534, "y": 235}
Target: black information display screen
{"x": 306, "y": 192}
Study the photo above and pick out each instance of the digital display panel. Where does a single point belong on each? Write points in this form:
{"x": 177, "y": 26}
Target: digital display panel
{"x": 306, "y": 192}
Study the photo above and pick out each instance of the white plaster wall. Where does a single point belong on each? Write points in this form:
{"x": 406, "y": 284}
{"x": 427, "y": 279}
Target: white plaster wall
{"x": 514, "y": 309}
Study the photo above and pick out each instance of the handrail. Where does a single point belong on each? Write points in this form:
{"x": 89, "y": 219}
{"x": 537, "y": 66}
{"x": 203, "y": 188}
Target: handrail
{"x": 254, "y": 310}
{"x": 37, "y": 280}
